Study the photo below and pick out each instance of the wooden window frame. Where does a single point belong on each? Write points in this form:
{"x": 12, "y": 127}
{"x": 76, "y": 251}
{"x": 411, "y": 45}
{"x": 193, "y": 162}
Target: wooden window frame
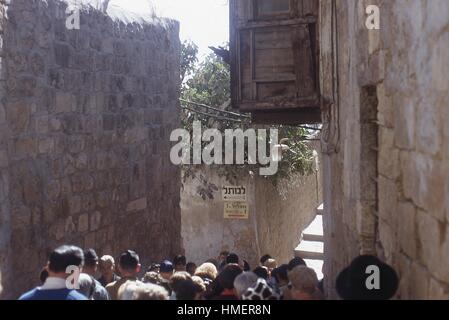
{"x": 253, "y": 103}
{"x": 280, "y": 15}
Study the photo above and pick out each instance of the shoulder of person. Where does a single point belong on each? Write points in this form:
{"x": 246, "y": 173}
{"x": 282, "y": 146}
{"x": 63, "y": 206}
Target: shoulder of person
{"x": 28, "y": 295}
{"x": 98, "y": 285}
{"x": 75, "y": 295}
{"x": 111, "y": 285}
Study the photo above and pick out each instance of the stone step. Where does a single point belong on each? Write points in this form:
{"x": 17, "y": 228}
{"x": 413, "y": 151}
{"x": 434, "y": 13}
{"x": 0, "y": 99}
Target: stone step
{"x": 310, "y": 250}
{"x": 314, "y": 232}
{"x": 320, "y": 209}
{"x": 317, "y": 266}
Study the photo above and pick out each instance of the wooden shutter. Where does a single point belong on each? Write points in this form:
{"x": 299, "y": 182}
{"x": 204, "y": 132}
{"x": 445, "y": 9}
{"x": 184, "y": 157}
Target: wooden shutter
{"x": 274, "y": 58}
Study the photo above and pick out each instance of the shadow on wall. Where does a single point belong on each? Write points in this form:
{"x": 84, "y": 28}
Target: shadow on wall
{"x": 206, "y": 232}
{"x": 277, "y": 215}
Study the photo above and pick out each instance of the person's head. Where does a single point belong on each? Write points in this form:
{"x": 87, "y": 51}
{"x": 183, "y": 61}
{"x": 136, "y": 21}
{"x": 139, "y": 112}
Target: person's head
{"x": 149, "y": 291}
{"x": 166, "y": 269}
{"x": 297, "y": 261}
{"x": 232, "y": 258}
{"x": 351, "y": 281}
{"x": 86, "y": 285}
{"x": 244, "y": 281}
{"x": 154, "y": 267}
{"x": 62, "y": 258}
{"x": 223, "y": 255}
{"x": 264, "y": 258}
{"x": 179, "y": 263}
{"x": 304, "y": 283}
{"x": 214, "y": 289}
{"x": 107, "y": 265}
{"x": 246, "y": 266}
{"x": 187, "y": 290}
{"x": 90, "y": 262}
{"x": 271, "y": 264}
{"x": 261, "y": 272}
{"x": 43, "y": 275}
{"x": 227, "y": 276}
{"x": 152, "y": 277}
{"x": 129, "y": 264}
{"x": 207, "y": 270}
{"x": 261, "y": 291}
{"x": 191, "y": 268}
{"x": 280, "y": 274}
{"x": 177, "y": 278}
{"x": 201, "y": 287}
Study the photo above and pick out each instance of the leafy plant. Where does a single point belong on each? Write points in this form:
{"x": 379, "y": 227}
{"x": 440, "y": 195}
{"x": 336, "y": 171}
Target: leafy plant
{"x": 208, "y": 83}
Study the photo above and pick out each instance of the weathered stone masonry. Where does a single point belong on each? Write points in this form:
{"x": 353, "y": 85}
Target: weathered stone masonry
{"x": 399, "y": 73}
{"x": 85, "y": 119}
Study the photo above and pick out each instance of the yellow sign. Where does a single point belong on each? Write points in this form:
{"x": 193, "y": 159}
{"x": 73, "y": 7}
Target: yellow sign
{"x": 236, "y": 210}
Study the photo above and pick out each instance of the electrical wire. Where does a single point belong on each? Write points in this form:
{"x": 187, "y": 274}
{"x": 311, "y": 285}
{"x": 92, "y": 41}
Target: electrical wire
{"x": 216, "y": 109}
{"x": 211, "y": 115}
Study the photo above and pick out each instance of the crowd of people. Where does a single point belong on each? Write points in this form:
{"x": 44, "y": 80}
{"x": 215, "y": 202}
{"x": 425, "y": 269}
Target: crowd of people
{"x": 228, "y": 277}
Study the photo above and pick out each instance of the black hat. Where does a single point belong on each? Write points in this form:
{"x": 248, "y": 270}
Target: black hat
{"x": 351, "y": 283}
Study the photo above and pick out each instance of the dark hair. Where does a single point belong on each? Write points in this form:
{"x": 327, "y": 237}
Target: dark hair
{"x": 129, "y": 260}
{"x": 227, "y": 276}
{"x": 190, "y": 265}
{"x": 43, "y": 276}
{"x": 90, "y": 258}
{"x": 214, "y": 289}
{"x": 297, "y": 261}
{"x": 261, "y": 272}
{"x": 264, "y": 258}
{"x": 187, "y": 290}
{"x": 65, "y": 256}
{"x": 178, "y": 278}
{"x": 179, "y": 260}
{"x": 280, "y": 273}
{"x": 246, "y": 266}
{"x": 232, "y": 258}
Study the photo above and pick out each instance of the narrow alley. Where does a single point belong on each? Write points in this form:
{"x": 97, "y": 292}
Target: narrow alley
{"x": 224, "y": 150}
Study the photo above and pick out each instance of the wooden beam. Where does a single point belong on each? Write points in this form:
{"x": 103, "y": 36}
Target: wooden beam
{"x": 287, "y": 117}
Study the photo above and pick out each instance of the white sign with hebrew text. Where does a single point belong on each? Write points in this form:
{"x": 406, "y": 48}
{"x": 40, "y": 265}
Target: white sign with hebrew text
{"x": 233, "y": 193}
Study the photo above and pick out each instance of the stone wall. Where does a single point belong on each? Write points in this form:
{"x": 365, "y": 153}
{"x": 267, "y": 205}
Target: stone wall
{"x": 4, "y": 173}
{"x": 277, "y": 215}
{"x": 85, "y": 121}
{"x": 405, "y": 66}
{"x": 205, "y": 232}
{"x": 286, "y": 209}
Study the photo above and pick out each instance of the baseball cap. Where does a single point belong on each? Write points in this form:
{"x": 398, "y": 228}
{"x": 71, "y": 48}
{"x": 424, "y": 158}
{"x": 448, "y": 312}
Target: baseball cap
{"x": 166, "y": 266}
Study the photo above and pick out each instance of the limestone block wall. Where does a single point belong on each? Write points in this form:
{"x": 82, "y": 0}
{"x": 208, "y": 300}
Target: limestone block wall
{"x": 85, "y": 119}
{"x": 284, "y": 211}
{"x": 4, "y": 173}
{"x": 406, "y": 62}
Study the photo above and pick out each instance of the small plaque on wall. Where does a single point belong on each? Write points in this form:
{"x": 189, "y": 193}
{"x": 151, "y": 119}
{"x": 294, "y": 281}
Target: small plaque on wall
{"x": 236, "y": 210}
